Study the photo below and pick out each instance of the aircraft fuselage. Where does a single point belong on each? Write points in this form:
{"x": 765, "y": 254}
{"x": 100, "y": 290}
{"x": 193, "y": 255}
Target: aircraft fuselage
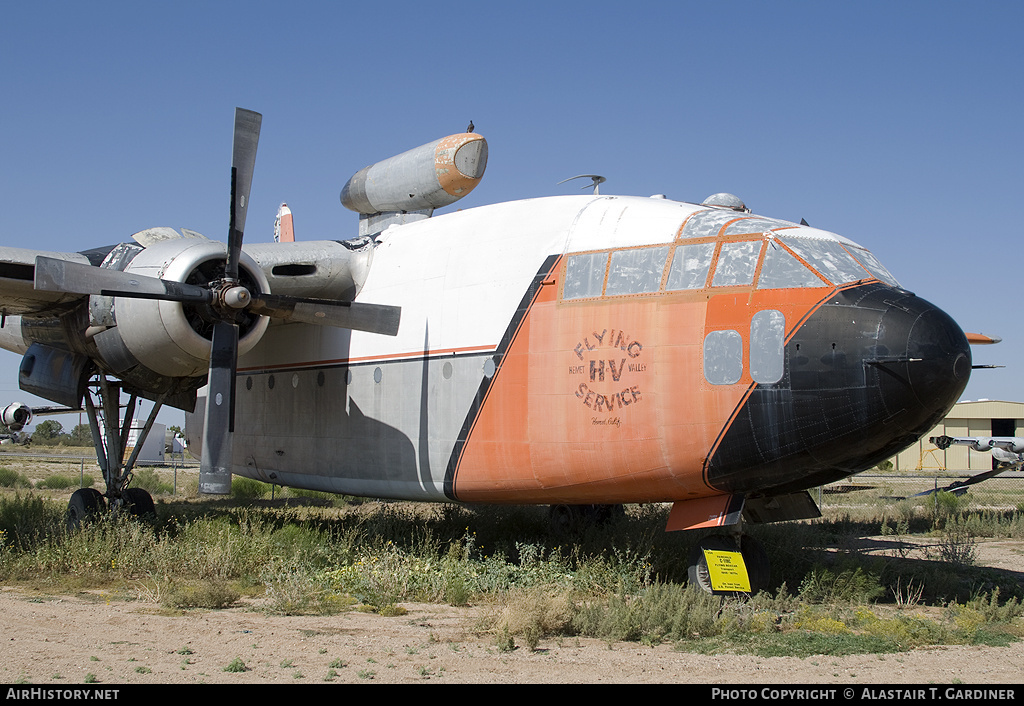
{"x": 600, "y": 350}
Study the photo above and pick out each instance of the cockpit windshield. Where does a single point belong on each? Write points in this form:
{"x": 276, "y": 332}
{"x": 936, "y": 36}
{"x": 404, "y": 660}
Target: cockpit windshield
{"x": 837, "y": 263}
{"x": 762, "y": 252}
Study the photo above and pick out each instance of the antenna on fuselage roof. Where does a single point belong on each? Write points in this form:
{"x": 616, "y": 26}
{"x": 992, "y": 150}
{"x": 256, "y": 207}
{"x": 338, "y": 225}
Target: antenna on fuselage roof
{"x": 597, "y": 181}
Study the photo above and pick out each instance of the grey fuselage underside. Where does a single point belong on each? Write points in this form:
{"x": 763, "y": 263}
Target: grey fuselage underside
{"x": 381, "y": 429}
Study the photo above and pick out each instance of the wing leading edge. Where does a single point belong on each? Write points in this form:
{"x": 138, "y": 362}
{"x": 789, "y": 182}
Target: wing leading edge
{"x": 18, "y": 295}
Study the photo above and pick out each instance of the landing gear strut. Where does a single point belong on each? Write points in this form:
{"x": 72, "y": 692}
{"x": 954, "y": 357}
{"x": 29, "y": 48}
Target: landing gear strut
{"x": 110, "y": 434}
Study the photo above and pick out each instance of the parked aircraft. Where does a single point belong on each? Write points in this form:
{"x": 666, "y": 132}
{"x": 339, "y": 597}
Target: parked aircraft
{"x": 1007, "y": 452}
{"x": 579, "y": 352}
{"x": 16, "y": 416}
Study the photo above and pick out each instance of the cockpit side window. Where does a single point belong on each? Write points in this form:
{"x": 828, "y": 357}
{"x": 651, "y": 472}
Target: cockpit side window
{"x": 584, "y": 275}
{"x": 790, "y": 261}
{"x": 737, "y": 263}
{"x": 690, "y": 266}
{"x": 636, "y": 271}
{"x": 783, "y": 271}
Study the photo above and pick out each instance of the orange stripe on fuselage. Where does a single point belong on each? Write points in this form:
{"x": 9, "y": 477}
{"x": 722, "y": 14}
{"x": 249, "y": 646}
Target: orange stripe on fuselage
{"x": 605, "y": 401}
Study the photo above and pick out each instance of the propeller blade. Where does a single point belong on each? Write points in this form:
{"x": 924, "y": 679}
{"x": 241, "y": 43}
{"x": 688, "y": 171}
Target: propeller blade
{"x": 359, "y": 316}
{"x": 53, "y": 275}
{"x": 243, "y": 164}
{"x": 219, "y": 422}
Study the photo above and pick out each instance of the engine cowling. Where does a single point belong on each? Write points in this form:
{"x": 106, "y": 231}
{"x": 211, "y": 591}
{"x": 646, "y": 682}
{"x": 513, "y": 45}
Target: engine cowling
{"x": 1014, "y": 444}
{"x": 16, "y": 415}
{"x": 982, "y": 445}
{"x": 171, "y": 338}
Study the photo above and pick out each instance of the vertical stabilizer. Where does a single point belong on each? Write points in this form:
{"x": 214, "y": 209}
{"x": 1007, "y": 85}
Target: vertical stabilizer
{"x": 283, "y": 230}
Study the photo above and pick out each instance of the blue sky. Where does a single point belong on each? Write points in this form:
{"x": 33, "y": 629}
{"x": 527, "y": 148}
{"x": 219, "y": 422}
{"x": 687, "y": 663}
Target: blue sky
{"x": 896, "y": 124}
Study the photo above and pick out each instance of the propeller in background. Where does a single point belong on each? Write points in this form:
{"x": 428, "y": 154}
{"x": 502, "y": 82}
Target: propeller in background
{"x": 224, "y": 298}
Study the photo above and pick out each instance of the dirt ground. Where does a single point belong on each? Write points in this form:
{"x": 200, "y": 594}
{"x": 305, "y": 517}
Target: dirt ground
{"x": 97, "y": 637}
{"x": 59, "y": 641}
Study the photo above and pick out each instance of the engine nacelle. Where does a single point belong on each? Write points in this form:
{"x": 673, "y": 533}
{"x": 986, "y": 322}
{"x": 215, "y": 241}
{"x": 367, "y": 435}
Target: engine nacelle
{"x": 982, "y": 445}
{"x": 427, "y": 177}
{"x": 16, "y": 415}
{"x": 1013, "y": 444}
{"x": 170, "y": 338}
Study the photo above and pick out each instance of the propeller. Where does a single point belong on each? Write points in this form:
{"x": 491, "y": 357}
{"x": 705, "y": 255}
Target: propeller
{"x": 224, "y": 299}
{"x": 219, "y": 421}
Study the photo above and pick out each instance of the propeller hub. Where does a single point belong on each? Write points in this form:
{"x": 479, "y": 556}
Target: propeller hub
{"x": 237, "y": 297}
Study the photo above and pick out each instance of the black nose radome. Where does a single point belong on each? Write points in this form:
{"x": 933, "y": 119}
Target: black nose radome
{"x": 866, "y": 375}
{"x": 940, "y": 357}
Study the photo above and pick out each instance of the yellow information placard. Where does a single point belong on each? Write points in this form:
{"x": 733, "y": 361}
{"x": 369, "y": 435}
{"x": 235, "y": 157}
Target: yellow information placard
{"x": 727, "y": 571}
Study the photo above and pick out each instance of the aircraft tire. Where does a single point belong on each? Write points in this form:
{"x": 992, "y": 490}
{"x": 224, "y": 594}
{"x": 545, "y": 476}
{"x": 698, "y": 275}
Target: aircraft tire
{"x": 754, "y": 557}
{"x": 139, "y": 502}
{"x": 563, "y": 520}
{"x": 85, "y": 504}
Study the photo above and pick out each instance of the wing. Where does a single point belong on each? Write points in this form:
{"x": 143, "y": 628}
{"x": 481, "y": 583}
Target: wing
{"x": 1006, "y": 451}
{"x": 981, "y": 443}
{"x": 18, "y": 295}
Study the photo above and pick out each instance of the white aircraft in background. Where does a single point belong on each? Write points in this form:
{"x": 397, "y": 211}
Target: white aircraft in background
{"x": 1007, "y": 451}
{"x": 579, "y": 352}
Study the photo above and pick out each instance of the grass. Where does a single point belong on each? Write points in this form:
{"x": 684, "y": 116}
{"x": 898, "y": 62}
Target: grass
{"x": 13, "y": 479}
{"x": 623, "y": 581}
{"x": 236, "y": 665}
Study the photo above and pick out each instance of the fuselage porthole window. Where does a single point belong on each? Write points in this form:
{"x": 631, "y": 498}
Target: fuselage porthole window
{"x": 767, "y": 346}
{"x": 723, "y": 357}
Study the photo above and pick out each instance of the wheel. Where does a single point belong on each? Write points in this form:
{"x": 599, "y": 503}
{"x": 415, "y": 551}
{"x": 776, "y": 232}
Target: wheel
{"x": 755, "y": 560}
{"x": 84, "y": 505}
{"x": 138, "y": 502}
{"x": 563, "y": 519}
